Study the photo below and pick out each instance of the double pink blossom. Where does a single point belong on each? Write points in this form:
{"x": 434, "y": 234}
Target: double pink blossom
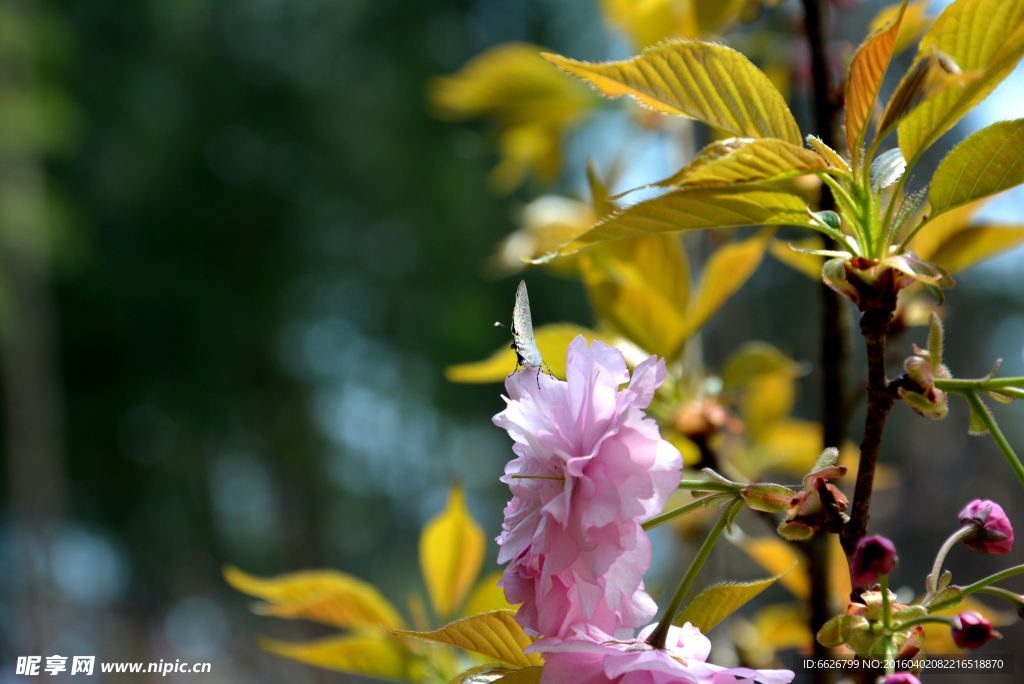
{"x": 590, "y": 468}
{"x": 592, "y": 657}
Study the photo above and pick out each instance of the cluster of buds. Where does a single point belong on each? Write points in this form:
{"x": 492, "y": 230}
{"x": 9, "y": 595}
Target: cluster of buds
{"x": 820, "y": 506}
{"x": 862, "y": 627}
{"x": 991, "y": 532}
{"x": 922, "y": 370}
{"x": 873, "y": 284}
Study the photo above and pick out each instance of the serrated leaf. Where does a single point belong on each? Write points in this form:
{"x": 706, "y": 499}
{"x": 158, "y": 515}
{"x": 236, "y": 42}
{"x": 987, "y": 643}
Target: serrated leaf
{"x": 705, "y": 81}
{"x": 794, "y": 254}
{"x": 735, "y": 161}
{"x": 333, "y": 598}
{"x": 887, "y": 169}
{"x": 369, "y": 656}
{"x": 724, "y": 273}
{"x": 986, "y": 36}
{"x": 641, "y": 287}
{"x": 487, "y": 597}
{"x": 827, "y": 458}
{"x": 987, "y": 162}
{"x": 552, "y": 341}
{"x": 755, "y": 359}
{"x": 452, "y": 549}
{"x": 915, "y": 22}
{"x": 867, "y": 71}
{"x": 718, "y": 602}
{"x": 949, "y": 597}
{"x": 496, "y": 635}
{"x": 698, "y": 208}
{"x": 828, "y": 154}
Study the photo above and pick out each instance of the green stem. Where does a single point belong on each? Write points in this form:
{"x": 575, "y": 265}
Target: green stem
{"x": 997, "y": 435}
{"x": 992, "y": 579}
{"x": 1016, "y": 599}
{"x": 940, "y": 558}
{"x": 925, "y": 620}
{"x": 906, "y": 241}
{"x": 707, "y": 485}
{"x": 886, "y": 606}
{"x": 895, "y": 197}
{"x": 677, "y": 512}
{"x": 660, "y": 633}
{"x": 979, "y": 385}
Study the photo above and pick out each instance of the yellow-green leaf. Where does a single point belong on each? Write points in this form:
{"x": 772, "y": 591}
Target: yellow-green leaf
{"x": 830, "y": 155}
{"x": 552, "y": 341}
{"x": 808, "y": 264}
{"x": 782, "y": 558}
{"x": 495, "y": 635}
{"x": 725, "y": 272}
{"x": 866, "y": 74}
{"x": 915, "y": 22}
{"x": 370, "y": 656}
{"x": 718, "y": 602}
{"x": 525, "y": 675}
{"x": 753, "y": 360}
{"x": 648, "y": 23}
{"x": 987, "y": 162}
{"x": 487, "y": 597}
{"x": 930, "y": 75}
{"x": 746, "y": 160}
{"x": 976, "y": 244}
{"x": 641, "y": 287}
{"x": 697, "y": 208}
{"x": 451, "y": 553}
{"x": 705, "y": 81}
{"x": 982, "y": 35}
{"x": 326, "y": 596}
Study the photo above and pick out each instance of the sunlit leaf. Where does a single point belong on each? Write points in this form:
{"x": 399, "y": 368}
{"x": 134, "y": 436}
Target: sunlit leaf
{"x": 724, "y": 272}
{"x": 641, "y": 287}
{"x": 886, "y": 169}
{"x": 768, "y": 399}
{"x": 649, "y": 22}
{"x": 495, "y": 635}
{"x": 326, "y": 596}
{"x": 782, "y": 559}
{"x": 866, "y": 74}
{"x": 915, "y": 22}
{"x": 697, "y": 208}
{"x": 705, "y": 81}
{"x": 451, "y": 553}
{"x": 370, "y": 656}
{"x": 718, "y": 602}
{"x": 976, "y": 244}
{"x": 828, "y": 154}
{"x": 487, "y": 597}
{"x": 987, "y": 162}
{"x": 931, "y": 237}
{"x": 531, "y": 104}
{"x": 773, "y": 628}
{"x": 753, "y": 360}
{"x": 525, "y": 675}
{"x": 552, "y": 341}
{"x": 548, "y": 222}
{"x": 734, "y": 161}
{"x": 808, "y": 264}
{"x": 986, "y": 36}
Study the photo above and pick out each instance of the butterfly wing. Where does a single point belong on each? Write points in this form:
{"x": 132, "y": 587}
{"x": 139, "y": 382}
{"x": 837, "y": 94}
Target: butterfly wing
{"x": 522, "y": 324}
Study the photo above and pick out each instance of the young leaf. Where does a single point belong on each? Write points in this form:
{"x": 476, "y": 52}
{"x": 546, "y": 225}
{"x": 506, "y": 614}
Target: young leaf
{"x": 552, "y": 341}
{"x": 326, "y": 596}
{"x": 370, "y": 656}
{"x": 808, "y": 264}
{"x": 697, "y": 208}
{"x": 944, "y": 600}
{"x": 982, "y": 36}
{"x": 973, "y": 245}
{"x": 915, "y": 22}
{"x": 496, "y": 635}
{"x": 866, "y": 74}
{"x": 746, "y": 160}
{"x": 725, "y": 272}
{"x": 718, "y": 602}
{"x": 452, "y": 549}
{"x": 831, "y": 156}
{"x": 987, "y": 162}
{"x": 704, "y": 81}
{"x": 887, "y": 169}
{"x": 927, "y": 77}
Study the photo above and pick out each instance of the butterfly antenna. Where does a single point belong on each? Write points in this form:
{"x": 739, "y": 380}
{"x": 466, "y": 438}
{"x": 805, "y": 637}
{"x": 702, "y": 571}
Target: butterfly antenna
{"x": 500, "y": 325}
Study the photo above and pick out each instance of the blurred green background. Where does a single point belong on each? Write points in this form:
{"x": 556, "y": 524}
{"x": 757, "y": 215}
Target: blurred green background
{"x": 237, "y": 253}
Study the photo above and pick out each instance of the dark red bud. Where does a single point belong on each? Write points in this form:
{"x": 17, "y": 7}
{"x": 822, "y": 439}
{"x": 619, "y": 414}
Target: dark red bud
{"x": 972, "y": 630}
{"x": 873, "y": 556}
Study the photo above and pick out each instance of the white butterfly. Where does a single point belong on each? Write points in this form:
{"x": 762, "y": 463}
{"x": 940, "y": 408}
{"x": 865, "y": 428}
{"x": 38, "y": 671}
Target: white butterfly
{"x": 523, "y": 344}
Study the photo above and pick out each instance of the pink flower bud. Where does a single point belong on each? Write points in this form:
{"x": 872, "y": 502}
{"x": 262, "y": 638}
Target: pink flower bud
{"x": 873, "y": 556}
{"x": 972, "y": 630}
{"x": 992, "y": 530}
{"x": 901, "y": 678}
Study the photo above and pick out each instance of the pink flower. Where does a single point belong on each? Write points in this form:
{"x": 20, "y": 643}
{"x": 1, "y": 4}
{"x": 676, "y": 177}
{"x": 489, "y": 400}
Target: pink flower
{"x": 592, "y": 657}
{"x": 590, "y": 468}
{"x": 992, "y": 530}
{"x": 872, "y": 557}
{"x": 901, "y": 678}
